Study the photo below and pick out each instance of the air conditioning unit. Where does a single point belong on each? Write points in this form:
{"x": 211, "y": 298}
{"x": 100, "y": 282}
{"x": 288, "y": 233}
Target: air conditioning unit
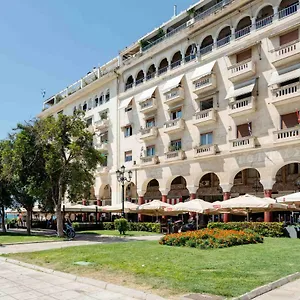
{"x": 204, "y": 183}
{"x": 190, "y": 22}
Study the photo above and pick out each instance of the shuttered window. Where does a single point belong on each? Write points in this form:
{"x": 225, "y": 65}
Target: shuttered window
{"x": 243, "y": 130}
{"x": 242, "y": 56}
{"x": 289, "y": 120}
{"x": 289, "y": 37}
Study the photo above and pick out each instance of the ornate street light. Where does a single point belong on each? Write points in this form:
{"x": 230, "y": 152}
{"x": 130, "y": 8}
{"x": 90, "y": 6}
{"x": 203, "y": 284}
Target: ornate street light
{"x": 122, "y": 179}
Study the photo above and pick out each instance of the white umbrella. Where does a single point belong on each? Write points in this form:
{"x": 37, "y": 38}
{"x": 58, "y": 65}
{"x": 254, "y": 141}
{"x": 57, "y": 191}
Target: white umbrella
{"x": 68, "y": 207}
{"x": 154, "y": 208}
{"x": 196, "y": 205}
{"x": 291, "y": 198}
{"x": 129, "y": 207}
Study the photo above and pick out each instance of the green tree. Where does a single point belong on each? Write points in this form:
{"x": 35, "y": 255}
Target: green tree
{"x": 24, "y": 166}
{"x": 70, "y": 160}
{"x": 5, "y": 194}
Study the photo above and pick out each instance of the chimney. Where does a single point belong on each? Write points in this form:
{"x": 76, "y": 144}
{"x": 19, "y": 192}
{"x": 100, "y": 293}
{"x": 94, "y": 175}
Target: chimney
{"x": 175, "y": 10}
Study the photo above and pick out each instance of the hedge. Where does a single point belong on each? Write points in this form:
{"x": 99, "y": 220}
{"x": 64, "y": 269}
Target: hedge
{"x": 270, "y": 229}
{"x": 211, "y": 238}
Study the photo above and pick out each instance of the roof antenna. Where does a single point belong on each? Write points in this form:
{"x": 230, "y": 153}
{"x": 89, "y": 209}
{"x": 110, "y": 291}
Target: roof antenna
{"x": 175, "y": 10}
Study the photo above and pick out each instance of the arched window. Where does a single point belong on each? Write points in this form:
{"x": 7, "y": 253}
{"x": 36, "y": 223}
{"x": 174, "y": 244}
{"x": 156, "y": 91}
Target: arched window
{"x": 140, "y": 77}
{"x": 84, "y": 106}
{"x": 101, "y": 99}
{"x": 224, "y": 36}
{"x": 163, "y": 66}
{"x": 129, "y": 83}
{"x": 190, "y": 52}
{"x": 287, "y": 7}
{"x": 151, "y": 72}
{"x": 264, "y": 17}
{"x": 206, "y": 45}
{"x": 107, "y": 96}
{"x": 96, "y": 101}
{"x": 243, "y": 27}
{"x": 176, "y": 60}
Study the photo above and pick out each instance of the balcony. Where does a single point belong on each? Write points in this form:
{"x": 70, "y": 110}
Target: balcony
{"x": 101, "y": 124}
{"x": 174, "y": 155}
{"x": 287, "y": 135}
{"x": 241, "y": 71}
{"x": 103, "y": 146}
{"x": 242, "y": 106}
{"x": 205, "y": 150}
{"x": 148, "y": 105}
{"x": 247, "y": 142}
{"x": 174, "y": 95}
{"x": 286, "y": 94}
{"x": 149, "y": 160}
{"x": 173, "y": 126}
{"x": 148, "y": 133}
{"x": 205, "y": 117}
{"x": 286, "y": 54}
{"x": 205, "y": 84}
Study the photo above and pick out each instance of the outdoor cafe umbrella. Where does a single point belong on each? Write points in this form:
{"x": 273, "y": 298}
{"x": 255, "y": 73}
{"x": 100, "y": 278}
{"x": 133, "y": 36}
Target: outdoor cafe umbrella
{"x": 68, "y": 207}
{"x": 196, "y": 205}
{"x": 129, "y": 207}
{"x": 154, "y": 208}
{"x": 290, "y": 198}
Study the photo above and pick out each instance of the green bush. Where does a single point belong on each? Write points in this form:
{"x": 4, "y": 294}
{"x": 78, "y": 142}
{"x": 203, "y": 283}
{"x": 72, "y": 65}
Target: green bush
{"x": 270, "y": 229}
{"x": 75, "y": 225}
{"x": 108, "y": 225}
{"x": 121, "y": 225}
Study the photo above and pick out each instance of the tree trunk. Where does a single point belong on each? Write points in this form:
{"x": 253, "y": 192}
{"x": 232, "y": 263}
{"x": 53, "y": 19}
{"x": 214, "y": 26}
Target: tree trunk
{"x": 28, "y": 221}
{"x": 3, "y": 218}
{"x": 59, "y": 219}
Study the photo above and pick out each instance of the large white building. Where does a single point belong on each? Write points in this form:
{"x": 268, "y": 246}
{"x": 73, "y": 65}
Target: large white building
{"x": 205, "y": 106}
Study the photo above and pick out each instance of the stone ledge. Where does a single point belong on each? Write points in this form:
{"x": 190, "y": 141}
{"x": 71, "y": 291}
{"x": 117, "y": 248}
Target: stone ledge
{"x": 268, "y": 287}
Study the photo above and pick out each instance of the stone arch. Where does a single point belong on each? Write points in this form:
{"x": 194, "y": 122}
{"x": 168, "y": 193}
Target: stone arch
{"x": 206, "y": 44}
{"x": 140, "y": 77}
{"x": 247, "y": 181}
{"x": 243, "y": 26}
{"x": 209, "y": 187}
{"x": 178, "y": 190}
{"x": 131, "y": 192}
{"x": 129, "y": 82}
{"x": 223, "y": 36}
{"x": 152, "y": 190}
{"x": 105, "y": 194}
{"x": 286, "y": 3}
{"x": 163, "y": 66}
{"x": 176, "y": 60}
{"x": 286, "y": 177}
{"x": 190, "y": 52}
{"x": 264, "y": 16}
{"x": 151, "y": 71}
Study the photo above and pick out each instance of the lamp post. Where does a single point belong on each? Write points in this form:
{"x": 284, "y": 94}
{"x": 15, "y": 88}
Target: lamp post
{"x": 122, "y": 179}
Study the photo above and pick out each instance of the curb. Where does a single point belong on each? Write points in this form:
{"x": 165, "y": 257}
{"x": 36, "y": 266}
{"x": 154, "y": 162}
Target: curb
{"x": 98, "y": 283}
{"x": 36, "y": 242}
{"x": 268, "y": 287}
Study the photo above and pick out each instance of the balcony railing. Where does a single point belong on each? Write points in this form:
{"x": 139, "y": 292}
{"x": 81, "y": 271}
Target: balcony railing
{"x": 139, "y": 81}
{"x": 128, "y": 86}
{"x": 286, "y": 53}
{"x": 148, "y": 133}
{"x": 149, "y": 160}
{"x": 204, "y": 150}
{"x": 174, "y": 125}
{"x": 150, "y": 76}
{"x": 176, "y": 64}
{"x": 242, "y": 106}
{"x": 100, "y": 124}
{"x": 175, "y": 95}
{"x": 162, "y": 70}
{"x": 175, "y": 155}
{"x": 286, "y": 91}
{"x": 243, "y": 143}
{"x": 224, "y": 41}
{"x": 205, "y": 84}
{"x": 243, "y": 32}
{"x": 206, "y": 49}
{"x": 288, "y": 10}
{"x": 264, "y": 22}
{"x": 287, "y": 134}
{"x": 148, "y": 105}
{"x": 204, "y": 116}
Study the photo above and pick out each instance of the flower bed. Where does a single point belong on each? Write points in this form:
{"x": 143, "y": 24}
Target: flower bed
{"x": 211, "y": 238}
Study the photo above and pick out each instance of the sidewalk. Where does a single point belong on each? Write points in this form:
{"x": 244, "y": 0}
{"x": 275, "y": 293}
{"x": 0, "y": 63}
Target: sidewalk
{"x": 18, "y": 282}
{"x": 289, "y": 291}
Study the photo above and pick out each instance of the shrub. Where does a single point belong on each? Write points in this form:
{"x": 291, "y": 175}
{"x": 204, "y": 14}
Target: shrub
{"x": 270, "y": 229}
{"x": 121, "y": 225}
{"x": 211, "y": 238}
{"x": 108, "y": 225}
{"x": 75, "y": 225}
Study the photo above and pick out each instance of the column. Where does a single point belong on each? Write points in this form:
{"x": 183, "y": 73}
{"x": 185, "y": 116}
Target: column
{"x": 192, "y": 190}
{"x": 226, "y": 195}
{"x": 232, "y": 33}
{"x": 140, "y": 202}
{"x": 164, "y": 198}
{"x": 267, "y": 214}
{"x": 276, "y": 15}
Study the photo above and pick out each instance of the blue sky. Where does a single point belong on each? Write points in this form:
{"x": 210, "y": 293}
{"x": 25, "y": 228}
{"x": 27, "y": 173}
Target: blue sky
{"x": 49, "y": 44}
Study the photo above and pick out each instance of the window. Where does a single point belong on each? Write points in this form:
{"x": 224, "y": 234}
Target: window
{"x": 107, "y": 96}
{"x": 89, "y": 122}
{"x": 244, "y": 130}
{"x": 96, "y": 101}
{"x": 207, "y": 104}
{"x": 206, "y": 138}
{"x": 90, "y": 104}
{"x": 101, "y": 99}
{"x": 176, "y": 114}
{"x": 150, "y": 151}
{"x": 245, "y": 55}
{"x": 150, "y": 122}
{"x": 128, "y": 131}
{"x": 104, "y": 163}
{"x": 128, "y": 156}
{"x": 243, "y": 96}
{"x": 104, "y": 137}
{"x": 103, "y": 115}
{"x": 289, "y": 120}
{"x": 289, "y": 37}
{"x": 84, "y": 107}
{"x": 175, "y": 145}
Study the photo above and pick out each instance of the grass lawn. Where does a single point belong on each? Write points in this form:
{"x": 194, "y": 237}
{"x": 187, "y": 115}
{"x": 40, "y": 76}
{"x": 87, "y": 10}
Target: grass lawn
{"x": 173, "y": 270}
{"x": 12, "y": 237}
{"x": 116, "y": 233}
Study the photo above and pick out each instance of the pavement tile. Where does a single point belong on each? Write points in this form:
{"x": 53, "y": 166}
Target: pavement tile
{"x": 7, "y": 298}
{"x": 66, "y": 295}
{"x": 15, "y": 289}
{"x": 27, "y": 295}
{"x": 106, "y": 295}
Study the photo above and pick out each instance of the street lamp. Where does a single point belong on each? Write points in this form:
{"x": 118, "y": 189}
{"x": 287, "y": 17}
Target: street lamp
{"x": 121, "y": 178}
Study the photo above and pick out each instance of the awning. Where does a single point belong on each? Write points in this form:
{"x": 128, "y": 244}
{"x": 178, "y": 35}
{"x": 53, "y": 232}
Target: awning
{"x": 232, "y": 93}
{"x": 125, "y": 103}
{"x": 172, "y": 83}
{"x": 146, "y": 94}
{"x": 203, "y": 71}
{"x": 277, "y": 78}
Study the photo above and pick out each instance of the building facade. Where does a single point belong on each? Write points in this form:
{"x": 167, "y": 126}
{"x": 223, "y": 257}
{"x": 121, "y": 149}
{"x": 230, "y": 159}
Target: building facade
{"x": 204, "y": 106}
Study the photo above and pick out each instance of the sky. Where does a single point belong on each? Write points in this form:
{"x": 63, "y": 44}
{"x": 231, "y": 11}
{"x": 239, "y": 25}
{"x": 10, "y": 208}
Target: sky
{"x": 50, "y": 44}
